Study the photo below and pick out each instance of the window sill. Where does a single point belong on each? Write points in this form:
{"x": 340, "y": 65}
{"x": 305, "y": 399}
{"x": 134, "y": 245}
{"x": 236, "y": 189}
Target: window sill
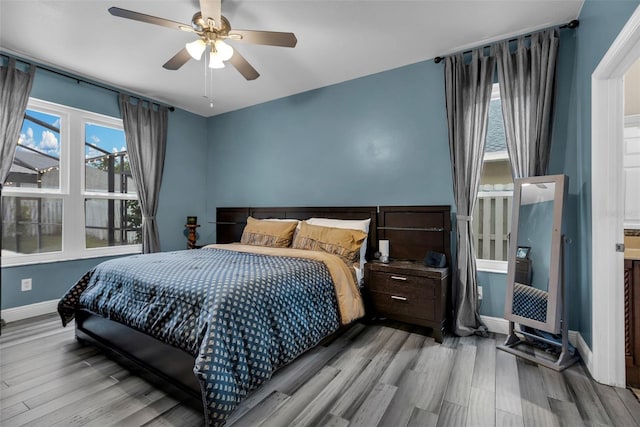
{"x": 491, "y": 266}
{"x": 24, "y": 260}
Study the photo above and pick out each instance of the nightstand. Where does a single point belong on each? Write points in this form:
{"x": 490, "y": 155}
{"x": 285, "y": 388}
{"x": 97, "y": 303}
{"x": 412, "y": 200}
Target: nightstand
{"x": 410, "y": 292}
{"x": 523, "y": 271}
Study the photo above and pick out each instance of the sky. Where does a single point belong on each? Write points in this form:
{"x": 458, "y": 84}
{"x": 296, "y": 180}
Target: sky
{"x": 47, "y": 141}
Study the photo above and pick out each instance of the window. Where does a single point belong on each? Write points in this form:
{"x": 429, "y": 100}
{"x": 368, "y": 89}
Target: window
{"x": 69, "y": 193}
{"x": 109, "y": 221}
{"x": 492, "y": 214}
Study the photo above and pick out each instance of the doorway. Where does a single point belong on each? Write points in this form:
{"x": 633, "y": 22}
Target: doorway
{"x": 607, "y": 206}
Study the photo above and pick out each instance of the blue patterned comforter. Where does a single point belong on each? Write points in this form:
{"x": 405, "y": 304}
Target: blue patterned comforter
{"x": 242, "y": 315}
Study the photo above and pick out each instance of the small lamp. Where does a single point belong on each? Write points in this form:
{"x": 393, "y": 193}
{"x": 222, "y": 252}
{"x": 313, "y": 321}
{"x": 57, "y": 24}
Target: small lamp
{"x": 383, "y": 246}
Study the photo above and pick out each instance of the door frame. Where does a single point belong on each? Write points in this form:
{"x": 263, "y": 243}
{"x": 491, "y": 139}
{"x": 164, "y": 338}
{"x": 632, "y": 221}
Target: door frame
{"x": 607, "y": 205}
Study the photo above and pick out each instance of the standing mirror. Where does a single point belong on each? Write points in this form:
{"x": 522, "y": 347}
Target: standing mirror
{"x": 535, "y": 279}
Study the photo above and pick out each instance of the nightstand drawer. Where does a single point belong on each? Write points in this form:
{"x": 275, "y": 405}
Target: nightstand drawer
{"x": 404, "y": 304}
{"x": 402, "y": 284}
{"x": 408, "y": 292}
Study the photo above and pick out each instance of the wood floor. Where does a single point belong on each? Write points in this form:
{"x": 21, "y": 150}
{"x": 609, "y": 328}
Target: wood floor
{"x": 372, "y": 375}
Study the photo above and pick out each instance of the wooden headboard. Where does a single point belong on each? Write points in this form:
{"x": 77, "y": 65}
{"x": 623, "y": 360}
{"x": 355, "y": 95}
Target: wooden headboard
{"x": 411, "y": 230}
{"x": 414, "y": 230}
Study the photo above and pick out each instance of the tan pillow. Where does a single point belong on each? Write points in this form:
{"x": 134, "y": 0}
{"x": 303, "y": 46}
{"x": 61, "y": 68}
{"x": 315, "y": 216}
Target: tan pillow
{"x": 342, "y": 242}
{"x": 262, "y": 232}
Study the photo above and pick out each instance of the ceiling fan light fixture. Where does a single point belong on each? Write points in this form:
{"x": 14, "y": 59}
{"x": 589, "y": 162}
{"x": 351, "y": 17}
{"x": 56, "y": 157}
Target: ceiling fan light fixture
{"x": 215, "y": 61}
{"x": 212, "y": 30}
{"x": 225, "y": 52}
{"x": 196, "y": 48}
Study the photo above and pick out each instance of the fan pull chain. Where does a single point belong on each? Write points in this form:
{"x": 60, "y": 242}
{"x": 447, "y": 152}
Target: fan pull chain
{"x": 206, "y": 72}
{"x": 208, "y": 81}
{"x": 211, "y": 89}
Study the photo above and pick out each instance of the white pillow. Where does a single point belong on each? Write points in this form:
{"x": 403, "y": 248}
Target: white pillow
{"x": 352, "y": 224}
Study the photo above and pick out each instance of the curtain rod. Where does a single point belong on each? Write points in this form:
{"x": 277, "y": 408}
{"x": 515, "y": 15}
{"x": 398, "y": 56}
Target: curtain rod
{"x": 79, "y": 79}
{"x": 572, "y": 24}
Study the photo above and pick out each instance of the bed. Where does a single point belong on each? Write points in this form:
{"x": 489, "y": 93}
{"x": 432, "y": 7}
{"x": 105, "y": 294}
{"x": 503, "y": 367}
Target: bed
{"x": 203, "y": 361}
{"x": 159, "y": 311}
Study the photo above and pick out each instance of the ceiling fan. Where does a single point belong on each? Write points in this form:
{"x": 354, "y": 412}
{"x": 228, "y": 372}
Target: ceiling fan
{"x": 212, "y": 29}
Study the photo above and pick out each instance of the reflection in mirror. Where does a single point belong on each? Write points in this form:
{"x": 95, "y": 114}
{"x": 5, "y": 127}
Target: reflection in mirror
{"x": 533, "y": 250}
{"x": 534, "y": 229}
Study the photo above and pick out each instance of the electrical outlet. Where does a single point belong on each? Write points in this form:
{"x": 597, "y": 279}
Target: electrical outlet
{"x": 479, "y": 292}
{"x": 26, "y": 285}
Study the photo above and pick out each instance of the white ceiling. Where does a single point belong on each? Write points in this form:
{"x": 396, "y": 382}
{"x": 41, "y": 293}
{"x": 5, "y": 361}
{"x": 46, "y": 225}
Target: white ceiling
{"x": 337, "y": 41}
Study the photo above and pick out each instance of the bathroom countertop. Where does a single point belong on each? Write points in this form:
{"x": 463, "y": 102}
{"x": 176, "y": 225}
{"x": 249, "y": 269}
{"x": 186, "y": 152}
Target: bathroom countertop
{"x": 632, "y": 244}
{"x": 632, "y": 254}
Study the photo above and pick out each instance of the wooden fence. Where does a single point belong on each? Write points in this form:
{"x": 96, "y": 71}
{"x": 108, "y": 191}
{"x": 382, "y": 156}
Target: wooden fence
{"x": 33, "y": 217}
{"x": 23, "y": 211}
{"x": 491, "y": 224}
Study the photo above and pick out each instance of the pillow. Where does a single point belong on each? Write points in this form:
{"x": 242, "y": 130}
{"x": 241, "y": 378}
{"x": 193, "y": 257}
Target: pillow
{"x": 297, "y": 221}
{"x": 264, "y": 232}
{"x": 342, "y": 242}
{"x": 352, "y": 224}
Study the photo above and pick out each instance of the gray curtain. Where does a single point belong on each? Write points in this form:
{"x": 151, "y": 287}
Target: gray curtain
{"x": 15, "y": 87}
{"x": 527, "y": 90}
{"x": 145, "y": 128}
{"x": 468, "y": 92}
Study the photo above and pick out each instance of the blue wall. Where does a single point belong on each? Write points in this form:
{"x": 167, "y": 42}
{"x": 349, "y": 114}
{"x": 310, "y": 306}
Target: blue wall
{"x": 182, "y": 193}
{"x": 380, "y": 139}
{"x": 494, "y": 287}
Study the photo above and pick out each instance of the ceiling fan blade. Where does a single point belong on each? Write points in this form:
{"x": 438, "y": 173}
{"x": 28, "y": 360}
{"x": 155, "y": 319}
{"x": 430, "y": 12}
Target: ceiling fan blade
{"x": 272, "y": 38}
{"x": 211, "y": 9}
{"x": 136, "y": 16}
{"x": 243, "y": 66}
{"x": 178, "y": 60}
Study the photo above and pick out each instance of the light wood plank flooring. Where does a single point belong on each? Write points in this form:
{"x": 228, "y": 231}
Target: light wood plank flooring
{"x": 378, "y": 374}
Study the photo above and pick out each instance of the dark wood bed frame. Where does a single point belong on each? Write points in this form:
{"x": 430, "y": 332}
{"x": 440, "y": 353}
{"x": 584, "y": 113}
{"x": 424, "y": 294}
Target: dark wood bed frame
{"x": 413, "y": 229}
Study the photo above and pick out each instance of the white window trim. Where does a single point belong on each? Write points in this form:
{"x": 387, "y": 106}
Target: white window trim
{"x": 71, "y": 191}
{"x": 491, "y": 266}
{"x": 496, "y": 156}
{"x": 495, "y": 91}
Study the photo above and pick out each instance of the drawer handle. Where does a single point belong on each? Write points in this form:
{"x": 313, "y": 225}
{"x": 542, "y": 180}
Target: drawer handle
{"x": 398, "y": 298}
{"x": 398, "y": 278}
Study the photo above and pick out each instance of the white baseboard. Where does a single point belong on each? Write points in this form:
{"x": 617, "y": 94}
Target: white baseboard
{"x": 583, "y": 349}
{"x": 496, "y": 325}
{"x": 31, "y": 310}
{"x": 499, "y": 325}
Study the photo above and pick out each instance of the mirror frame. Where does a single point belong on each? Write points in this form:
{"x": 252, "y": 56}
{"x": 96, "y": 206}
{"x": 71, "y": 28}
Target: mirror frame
{"x": 556, "y": 272}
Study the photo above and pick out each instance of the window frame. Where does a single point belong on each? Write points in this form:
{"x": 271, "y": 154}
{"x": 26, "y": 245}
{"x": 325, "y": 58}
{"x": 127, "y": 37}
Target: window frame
{"x": 71, "y": 189}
